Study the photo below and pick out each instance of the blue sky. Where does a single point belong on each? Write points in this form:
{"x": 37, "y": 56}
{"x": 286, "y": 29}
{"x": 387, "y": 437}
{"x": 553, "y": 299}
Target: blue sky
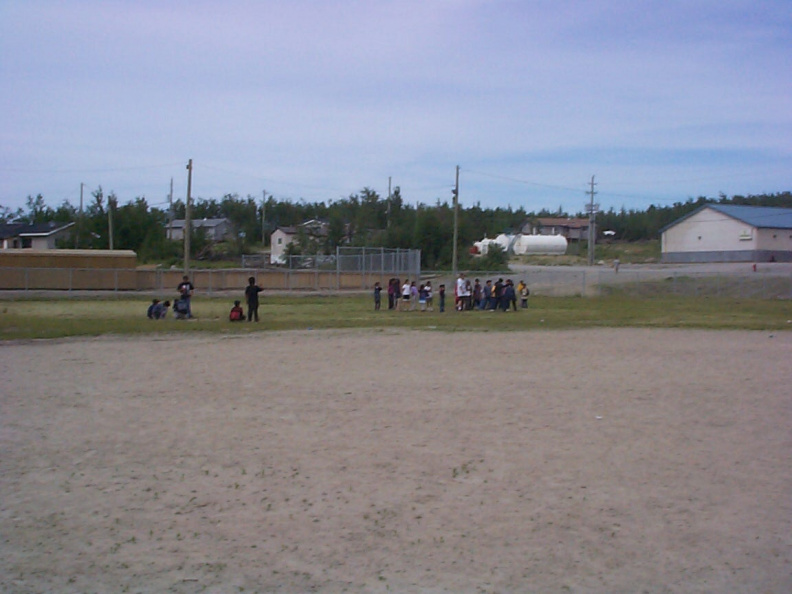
{"x": 660, "y": 100}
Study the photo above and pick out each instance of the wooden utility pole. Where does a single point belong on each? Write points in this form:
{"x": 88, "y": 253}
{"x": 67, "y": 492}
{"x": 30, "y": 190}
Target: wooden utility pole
{"x": 388, "y": 211}
{"x": 592, "y": 212}
{"x": 263, "y": 217}
{"x": 187, "y": 219}
{"x": 456, "y": 225}
{"x": 170, "y": 211}
{"x": 79, "y": 219}
{"x": 110, "y": 201}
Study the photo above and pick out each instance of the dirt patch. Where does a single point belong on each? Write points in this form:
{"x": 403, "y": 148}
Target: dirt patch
{"x": 367, "y": 461}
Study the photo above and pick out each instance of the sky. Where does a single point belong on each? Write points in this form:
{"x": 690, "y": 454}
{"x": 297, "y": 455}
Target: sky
{"x": 655, "y": 101}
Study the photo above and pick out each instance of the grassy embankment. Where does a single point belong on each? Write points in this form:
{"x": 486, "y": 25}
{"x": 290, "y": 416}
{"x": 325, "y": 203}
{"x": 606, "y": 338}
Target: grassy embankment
{"x": 125, "y": 315}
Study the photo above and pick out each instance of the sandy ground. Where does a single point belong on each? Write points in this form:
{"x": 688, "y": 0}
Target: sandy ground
{"x": 367, "y": 461}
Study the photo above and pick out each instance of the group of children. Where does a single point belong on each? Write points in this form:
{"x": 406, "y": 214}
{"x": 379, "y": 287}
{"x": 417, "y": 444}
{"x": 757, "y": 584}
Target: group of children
{"x": 237, "y": 314}
{"x": 489, "y": 296}
{"x": 409, "y": 297}
{"x": 158, "y": 310}
{"x": 182, "y": 310}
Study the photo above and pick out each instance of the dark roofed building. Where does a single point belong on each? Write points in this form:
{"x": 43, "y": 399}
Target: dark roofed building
{"x": 572, "y": 229}
{"x": 37, "y": 236}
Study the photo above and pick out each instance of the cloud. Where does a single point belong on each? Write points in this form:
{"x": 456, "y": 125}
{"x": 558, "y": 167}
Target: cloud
{"x": 318, "y": 99}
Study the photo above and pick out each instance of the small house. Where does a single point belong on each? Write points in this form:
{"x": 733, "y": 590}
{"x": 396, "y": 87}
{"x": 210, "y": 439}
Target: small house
{"x": 37, "y": 236}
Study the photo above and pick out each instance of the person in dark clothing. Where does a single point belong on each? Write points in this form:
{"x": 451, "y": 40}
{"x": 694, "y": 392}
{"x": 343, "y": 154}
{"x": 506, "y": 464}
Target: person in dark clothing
{"x": 377, "y": 296}
{"x": 497, "y": 294}
{"x": 486, "y": 296}
{"x": 393, "y": 290}
{"x": 512, "y": 293}
{"x": 186, "y": 290}
{"x": 153, "y": 310}
{"x": 252, "y": 298}
{"x": 509, "y": 296}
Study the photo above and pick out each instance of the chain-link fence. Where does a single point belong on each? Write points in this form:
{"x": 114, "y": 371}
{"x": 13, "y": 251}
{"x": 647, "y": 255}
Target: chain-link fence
{"x": 347, "y": 269}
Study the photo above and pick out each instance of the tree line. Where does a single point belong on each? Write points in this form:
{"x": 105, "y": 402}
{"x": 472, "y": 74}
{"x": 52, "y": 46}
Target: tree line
{"x": 362, "y": 219}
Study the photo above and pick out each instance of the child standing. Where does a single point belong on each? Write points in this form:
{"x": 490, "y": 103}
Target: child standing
{"x": 377, "y": 297}
{"x": 441, "y": 292}
{"x": 522, "y": 289}
{"x": 413, "y": 296}
{"x": 429, "y": 296}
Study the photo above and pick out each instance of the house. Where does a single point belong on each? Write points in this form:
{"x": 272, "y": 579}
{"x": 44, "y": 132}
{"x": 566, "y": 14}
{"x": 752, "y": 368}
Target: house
{"x": 571, "y": 229}
{"x": 729, "y": 233}
{"x": 215, "y": 229}
{"x": 37, "y": 236}
{"x": 281, "y": 237}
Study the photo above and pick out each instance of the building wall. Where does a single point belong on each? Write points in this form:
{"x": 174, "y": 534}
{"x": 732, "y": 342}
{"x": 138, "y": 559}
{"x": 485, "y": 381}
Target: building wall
{"x": 709, "y": 231}
{"x": 709, "y": 236}
{"x": 43, "y": 243}
{"x": 774, "y": 240}
{"x": 105, "y": 259}
{"x": 278, "y": 242}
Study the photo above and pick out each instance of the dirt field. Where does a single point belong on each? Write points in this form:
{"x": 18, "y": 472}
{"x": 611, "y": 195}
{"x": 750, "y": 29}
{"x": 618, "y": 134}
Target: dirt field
{"x": 369, "y": 461}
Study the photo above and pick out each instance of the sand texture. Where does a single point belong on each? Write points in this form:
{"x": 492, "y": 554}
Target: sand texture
{"x": 615, "y": 460}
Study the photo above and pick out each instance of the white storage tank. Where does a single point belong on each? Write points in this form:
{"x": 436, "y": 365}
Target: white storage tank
{"x": 482, "y": 247}
{"x": 505, "y": 241}
{"x": 540, "y": 244}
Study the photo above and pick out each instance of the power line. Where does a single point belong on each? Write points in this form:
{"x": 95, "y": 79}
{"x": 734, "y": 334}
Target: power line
{"x": 107, "y": 170}
{"x": 522, "y": 181}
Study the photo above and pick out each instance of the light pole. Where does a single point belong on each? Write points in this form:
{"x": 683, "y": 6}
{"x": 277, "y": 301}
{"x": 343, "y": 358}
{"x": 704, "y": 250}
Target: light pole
{"x": 456, "y": 224}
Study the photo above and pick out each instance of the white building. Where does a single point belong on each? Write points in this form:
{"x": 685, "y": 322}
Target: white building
{"x": 729, "y": 233}
{"x": 279, "y": 241}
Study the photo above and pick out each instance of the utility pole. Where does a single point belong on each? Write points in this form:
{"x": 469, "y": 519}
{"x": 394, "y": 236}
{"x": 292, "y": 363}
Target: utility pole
{"x": 263, "y": 217}
{"x": 110, "y": 203}
{"x": 388, "y": 212}
{"x": 187, "y": 219}
{"x": 79, "y": 219}
{"x": 170, "y": 211}
{"x": 456, "y": 225}
{"x": 592, "y": 209}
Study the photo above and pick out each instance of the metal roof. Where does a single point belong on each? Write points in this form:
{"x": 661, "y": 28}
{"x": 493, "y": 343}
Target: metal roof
{"x": 9, "y": 230}
{"x": 760, "y": 217}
